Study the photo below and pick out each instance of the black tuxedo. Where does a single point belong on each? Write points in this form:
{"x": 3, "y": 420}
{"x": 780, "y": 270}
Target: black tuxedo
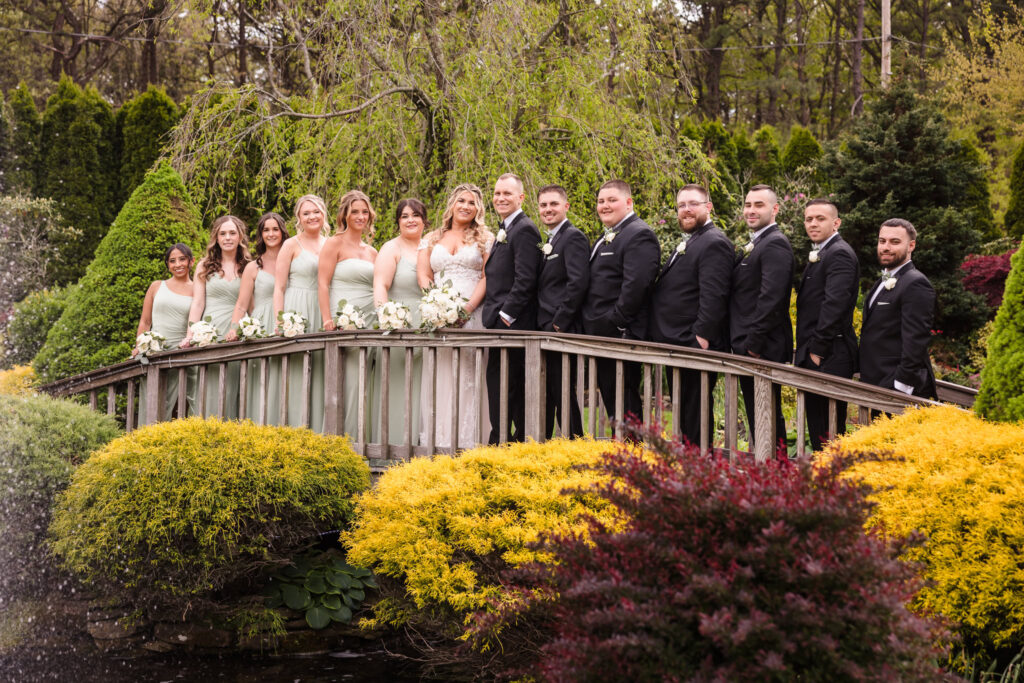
{"x": 691, "y": 299}
{"x": 561, "y": 289}
{"x": 621, "y": 274}
{"x": 896, "y": 331}
{"x": 511, "y": 273}
{"x": 824, "y": 326}
{"x": 759, "y": 312}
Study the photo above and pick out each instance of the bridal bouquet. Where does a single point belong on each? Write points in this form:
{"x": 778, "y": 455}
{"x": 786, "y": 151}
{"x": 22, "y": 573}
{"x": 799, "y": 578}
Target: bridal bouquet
{"x": 292, "y": 323}
{"x": 442, "y": 307}
{"x": 148, "y": 342}
{"x": 203, "y": 332}
{"x": 393, "y": 316}
{"x": 348, "y": 317}
{"x": 250, "y": 328}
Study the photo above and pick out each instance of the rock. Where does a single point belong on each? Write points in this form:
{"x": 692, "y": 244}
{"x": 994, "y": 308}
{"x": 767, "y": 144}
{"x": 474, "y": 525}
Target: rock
{"x": 157, "y": 646}
{"x": 111, "y": 629}
{"x": 193, "y": 635}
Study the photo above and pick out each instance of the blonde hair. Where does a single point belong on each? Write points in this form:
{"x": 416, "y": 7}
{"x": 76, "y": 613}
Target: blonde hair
{"x": 325, "y": 229}
{"x": 347, "y": 200}
{"x": 477, "y": 232}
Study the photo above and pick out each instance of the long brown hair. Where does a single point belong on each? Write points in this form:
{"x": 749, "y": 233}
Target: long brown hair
{"x": 477, "y": 232}
{"x": 212, "y": 260}
{"x": 347, "y": 200}
{"x": 260, "y": 246}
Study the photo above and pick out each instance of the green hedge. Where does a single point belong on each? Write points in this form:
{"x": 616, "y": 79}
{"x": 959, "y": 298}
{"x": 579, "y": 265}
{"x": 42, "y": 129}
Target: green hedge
{"x": 33, "y": 317}
{"x": 148, "y": 121}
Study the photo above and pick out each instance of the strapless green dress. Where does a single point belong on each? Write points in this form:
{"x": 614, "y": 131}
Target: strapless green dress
{"x": 353, "y": 281}
{"x": 301, "y": 296}
{"x": 221, "y": 297}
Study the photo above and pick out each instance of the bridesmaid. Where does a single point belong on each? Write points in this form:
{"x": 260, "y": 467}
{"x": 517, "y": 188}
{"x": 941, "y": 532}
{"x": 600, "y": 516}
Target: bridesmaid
{"x": 394, "y": 277}
{"x": 215, "y": 292}
{"x": 165, "y": 312}
{"x": 256, "y": 298}
{"x": 346, "y": 272}
{"x": 295, "y": 290}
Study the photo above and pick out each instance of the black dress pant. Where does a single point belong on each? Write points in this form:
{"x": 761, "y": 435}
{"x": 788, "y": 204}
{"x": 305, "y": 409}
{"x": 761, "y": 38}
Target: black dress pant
{"x": 630, "y": 387}
{"x": 816, "y": 406}
{"x": 516, "y": 430}
{"x": 553, "y": 388}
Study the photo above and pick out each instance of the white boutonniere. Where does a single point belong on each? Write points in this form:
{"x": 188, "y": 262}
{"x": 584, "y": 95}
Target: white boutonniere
{"x": 681, "y": 248}
{"x": 609, "y": 236}
{"x": 546, "y": 248}
{"x": 748, "y": 247}
{"x": 890, "y": 283}
{"x": 813, "y": 256}
{"x": 502, "y": 236}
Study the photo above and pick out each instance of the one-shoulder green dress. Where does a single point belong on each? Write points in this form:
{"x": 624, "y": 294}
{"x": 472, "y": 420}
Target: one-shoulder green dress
{"x": 405, "y": 289}
{"x": 353, "y": 282}
{"x": 221, "y": 296}
{"x": 170, "y": 320}
{"x": 263, "y": 310}
{"x": 301, "y": 297}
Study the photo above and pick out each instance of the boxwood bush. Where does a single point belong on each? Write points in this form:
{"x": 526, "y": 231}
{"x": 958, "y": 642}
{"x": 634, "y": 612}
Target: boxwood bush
{"x": 42, "y": 440}
{"x": 169, "y": 514}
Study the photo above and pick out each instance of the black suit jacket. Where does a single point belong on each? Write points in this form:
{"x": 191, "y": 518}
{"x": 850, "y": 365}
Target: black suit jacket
{"x": 511, "y": 273}
{"x": 896, "y": 331}
{"x": 621, "y": 274}
{"x": 691, "y": 296}
{"x": 759, "y": 307}
{"x": 563, "y": 282}
{"x": 825, "y": 302}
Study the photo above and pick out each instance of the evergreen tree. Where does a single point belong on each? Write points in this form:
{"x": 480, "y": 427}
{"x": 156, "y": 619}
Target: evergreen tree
{"x": 1002, "y": 379}
{"x": 147, "y": 122}
{"x": 79, "y": 169}
{"x": 717, "y": 144}
{"x": 6, "y": 162}
{"x": 801, "y": 150}
{"x": 1014, "y": 219}
{"x": 23, "y": 171}
{"x": 746, "y": 155}
{"x": 899, "y": 161}
{"x": 978, "y": 198}
{"x": 98, "y": 324}
{"x": 767, "y": 162}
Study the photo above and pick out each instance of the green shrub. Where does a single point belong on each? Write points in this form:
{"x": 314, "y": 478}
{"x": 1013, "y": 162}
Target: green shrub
{"x": 169, "y": 514}
{"x": 148, "y": 120}
{"x": 321, "y": 586}
{"x": 767, "y": 157}
{"x": 1014, "y": 219}
{"x": 42, "y": 440}
{"x": 99, "y": 322}
{"x": 438, "y": 532}
{"x": 30, "y": 230}
{"x": 6, "y": 134}
{"x": 1002, "y": 380}
{"x": 23, "y": 165}
{"x": 32, "y": 318}
{"x": 19, "y": 380}
{"x": 801, "y": 150}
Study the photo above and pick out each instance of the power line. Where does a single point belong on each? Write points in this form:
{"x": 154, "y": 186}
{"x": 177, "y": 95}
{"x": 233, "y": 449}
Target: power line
{"x": 772, "y": 46}
{"x": 143, "y": 39}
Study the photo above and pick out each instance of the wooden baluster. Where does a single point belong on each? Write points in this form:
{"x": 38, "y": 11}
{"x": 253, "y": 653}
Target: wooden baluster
{"x": 705, "y": 412}
{"x": 863, "y": 415}
{"x": 534, "y": 392}
{"x": 581, "y": 379}
{"x": 764, "y": 420}
{"x": 592, "y": 396}
{"x": 564, "y": 410}
{"x": 111, "y": 399}
{"x": 832, "y": 419}
{"x": 243, "y": 389}
{"x": 408, "y": 403}
{"x": 182, "y": 393}
{"x": 385, "y": 377}
{"x": 801, "y": 423}
{"x": 429, "y": 389}
{"x": 201, "y": 397}
{"x": 154, "y": 396}
{"x": 659, "y": 394}
{"x": 619, "y": 397}
{"x": 93, "y": 400}
{"x": 479, "y": 381}
{"x": 333, "y": 388}
{"x": 307, "y": 377}
{"x": 677, "y": 404}
{"x": 361, "y": 402}
{"x": 503, "y": 402}
{"x": 222, "y": 389}
{"x": 456, "y": 398}
{"x": 264, "y": 380}
{"x": 129, "y": 418}
{"x": 732, "y": 415}
{"x": 285, "y": 390}
{"x": 648, "y": 395}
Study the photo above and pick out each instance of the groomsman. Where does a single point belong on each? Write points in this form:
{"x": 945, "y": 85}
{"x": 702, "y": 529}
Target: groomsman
{"x": 762, "y": 279}
{"x": 690, "y": 301}
{"x": 623, "y": 265}
{"x": 561, "y": 289}
{"x": 825, "y": 340}
{"x": 897, "y": 324}
{"x": 509, "y": 303}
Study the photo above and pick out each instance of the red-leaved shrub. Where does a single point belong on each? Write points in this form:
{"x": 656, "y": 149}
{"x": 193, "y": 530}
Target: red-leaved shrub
{"x": 727, "y": 571}
{"x": 986, "y": 275}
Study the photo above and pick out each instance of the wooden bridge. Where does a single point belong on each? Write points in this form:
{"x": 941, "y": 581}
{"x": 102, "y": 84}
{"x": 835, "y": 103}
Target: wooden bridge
{"x": 660, "y": 392}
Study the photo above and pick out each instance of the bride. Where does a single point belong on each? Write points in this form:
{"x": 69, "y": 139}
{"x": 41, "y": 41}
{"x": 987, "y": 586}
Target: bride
{"x": 456, "y": 253}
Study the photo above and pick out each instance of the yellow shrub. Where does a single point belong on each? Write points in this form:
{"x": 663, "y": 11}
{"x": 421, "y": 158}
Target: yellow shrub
{"x": 443, "y": 528}
{"x": 18, "y": 381}
{"x": 959, "y": 482}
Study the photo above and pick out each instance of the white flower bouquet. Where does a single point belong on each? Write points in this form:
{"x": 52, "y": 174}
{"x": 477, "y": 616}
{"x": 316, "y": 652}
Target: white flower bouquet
{"x": 203, "y": 332}
{"x": 442, "y": 306}
{"x": 348, "y": 317}
{"x": 149, "y": 342}
{"x": 291, "y": 323}
{"x": 393, "y": 315}
{"x": 251, "y": 328}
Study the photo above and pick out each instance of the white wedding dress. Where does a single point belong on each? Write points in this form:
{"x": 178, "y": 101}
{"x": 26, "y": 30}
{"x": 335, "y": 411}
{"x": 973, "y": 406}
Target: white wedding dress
{"x": 463, "y": 269}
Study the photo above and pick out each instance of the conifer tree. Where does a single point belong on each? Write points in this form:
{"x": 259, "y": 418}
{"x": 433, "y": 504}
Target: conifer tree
{"x": 5, "y": 146}
{"x": 1002, "y": 379}
{"x": 801, "y": 150}
{"x": 977, "y": 196}
{"x": 98, "y": 324}
{"x": 768, "y": 162}
{"x": 23, "y": 170}
{"x": 1014, "y": 219}
{"x": 147, "y": 122}
{"x": 79, "y": 167}
{"x": 746, "y": 155}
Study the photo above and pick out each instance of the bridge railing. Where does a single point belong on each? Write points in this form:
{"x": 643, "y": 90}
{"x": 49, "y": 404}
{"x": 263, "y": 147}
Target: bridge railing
{"x": 375, "y": 354}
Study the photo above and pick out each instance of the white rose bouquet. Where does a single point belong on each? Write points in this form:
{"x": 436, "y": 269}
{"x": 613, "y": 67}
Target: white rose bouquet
{"x": 393, "y": 316}
{"x": 203, "y": 332}
{"x": 149, "y": 342}
{"x": 348, "y": 317}
{"x": 251, "y": 328}
{"x": 291, "y": 323}
{"x": 442, "y": 306}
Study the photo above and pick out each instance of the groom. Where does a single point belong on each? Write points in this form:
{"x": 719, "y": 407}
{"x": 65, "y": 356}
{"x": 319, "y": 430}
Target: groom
{"x": 509, "y": 303}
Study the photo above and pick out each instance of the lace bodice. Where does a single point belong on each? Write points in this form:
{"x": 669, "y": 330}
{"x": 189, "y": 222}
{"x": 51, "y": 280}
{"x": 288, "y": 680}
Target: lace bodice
{"x": 464, "y": 268}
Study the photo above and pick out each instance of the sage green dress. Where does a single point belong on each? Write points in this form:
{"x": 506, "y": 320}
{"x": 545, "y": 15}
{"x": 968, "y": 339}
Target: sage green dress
{"x": 170, "y": 320}
{"x": 405, "y": 289}
{"x": 301, "y": 297}
{"x": 263, "y": 310}
{"x": 221, "y": 297}
{"x": 353, "y": 282}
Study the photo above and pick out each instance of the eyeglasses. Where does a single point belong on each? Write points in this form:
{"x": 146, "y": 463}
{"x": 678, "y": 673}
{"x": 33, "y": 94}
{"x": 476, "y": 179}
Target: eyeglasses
{"x": 690, "y": 205}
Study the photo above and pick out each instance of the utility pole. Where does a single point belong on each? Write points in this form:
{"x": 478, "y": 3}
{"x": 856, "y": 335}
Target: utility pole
{"x": 886, "y": 44}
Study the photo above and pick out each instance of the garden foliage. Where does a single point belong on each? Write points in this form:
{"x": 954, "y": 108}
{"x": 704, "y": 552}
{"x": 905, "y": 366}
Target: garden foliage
{"x": 29, "y": 323}
{"x": 956, "y": 478}
{"x": 99, "y": 321}
{"x": 30, "y": 232}
{"x": 438, "y": 532}
{"x": 19, "y": 380}
{"x": 42, "y": 440}
{"x": 1002, "y": 380}
{"x": 986, "y": 275}
{"x": 801, "y": 150}
{"x": 147, "y": 123}
{"x": 723, "y": 572}
{"x": 1014, "y": 219}
{"x": 170, "y": 513}
{"x": 767, "y": 157}
{"x": 22, "y": 173}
